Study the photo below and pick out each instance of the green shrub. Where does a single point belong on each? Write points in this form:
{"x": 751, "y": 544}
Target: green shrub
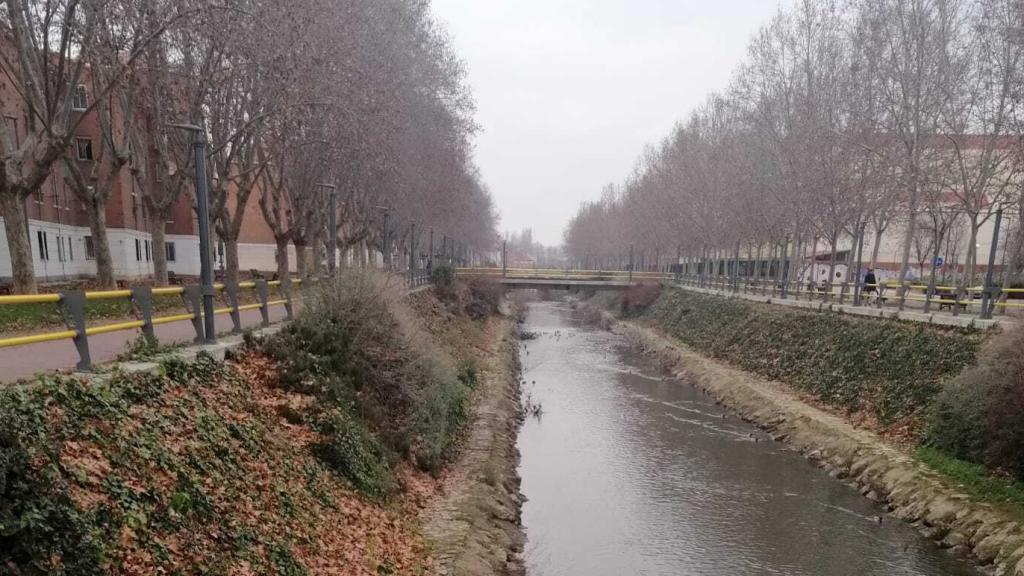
{"x": 40, "y": 527}
{"x": 349, "y": 449}
{"x": 974, "y": 478}
{"x": 637, "y": 299}
{"x": 484, "y": 298}
{"x": 443, "y": 279}
{"x": 352, "y": 349}
{"x": 979, "y": 416}
{"x": 469, "y": 374}
{"x": 893, "y": 369}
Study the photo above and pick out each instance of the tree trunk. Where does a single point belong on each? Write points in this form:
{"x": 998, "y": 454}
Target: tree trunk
{"x": 12, "y": 208}
{"x": 160, "y": 249}
{"x": 972, "y": 252}
{"x": 282, "y": 258}
{"x": 875, "y": 247}
{"x": 301, "y": 260}
{"x": 318, "y": 254}
{"x": 908, "y": 241}
{"x": 97, "y": 215}
{"x": 231, "y": 274}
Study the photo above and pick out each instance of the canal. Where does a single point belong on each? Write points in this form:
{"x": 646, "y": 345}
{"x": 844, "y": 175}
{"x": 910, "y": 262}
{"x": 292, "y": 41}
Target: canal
{"x": 626, "y": 472}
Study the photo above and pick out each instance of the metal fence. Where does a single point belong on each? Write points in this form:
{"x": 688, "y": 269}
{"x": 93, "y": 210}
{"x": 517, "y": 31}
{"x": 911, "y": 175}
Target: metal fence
{"x": 982, "y": 300}
{"x": 72, "y": 306}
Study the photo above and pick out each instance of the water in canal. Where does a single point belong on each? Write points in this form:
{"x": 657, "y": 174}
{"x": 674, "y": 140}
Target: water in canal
{"x": 628, "y": 473}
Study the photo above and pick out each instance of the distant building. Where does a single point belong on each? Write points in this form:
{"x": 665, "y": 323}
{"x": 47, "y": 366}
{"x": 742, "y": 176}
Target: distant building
{"x": 62, "y": 245}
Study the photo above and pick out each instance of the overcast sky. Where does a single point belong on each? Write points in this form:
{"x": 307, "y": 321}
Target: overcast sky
{"x": 569, "y": 91}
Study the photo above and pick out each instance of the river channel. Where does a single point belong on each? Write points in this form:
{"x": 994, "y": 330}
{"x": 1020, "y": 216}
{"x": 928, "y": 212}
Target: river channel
{"x": 627, "y": 472}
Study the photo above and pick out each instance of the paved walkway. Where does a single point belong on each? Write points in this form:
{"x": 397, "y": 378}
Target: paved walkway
{"x": 46, "y": 357}
{"x": 914, "y": 310}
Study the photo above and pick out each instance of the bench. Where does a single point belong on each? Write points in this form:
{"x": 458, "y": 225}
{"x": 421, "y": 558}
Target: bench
{"x": 948, "y": 300}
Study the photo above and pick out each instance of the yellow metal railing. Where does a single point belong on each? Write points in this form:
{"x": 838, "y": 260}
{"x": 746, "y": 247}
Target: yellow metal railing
{"x": 72, "y": 308}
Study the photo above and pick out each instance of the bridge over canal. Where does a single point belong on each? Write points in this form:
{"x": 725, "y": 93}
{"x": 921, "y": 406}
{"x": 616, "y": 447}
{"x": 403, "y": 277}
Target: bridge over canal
{"x": 555, "y": 279}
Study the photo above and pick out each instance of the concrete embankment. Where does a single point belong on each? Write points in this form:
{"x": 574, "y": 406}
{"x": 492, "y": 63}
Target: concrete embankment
{"x": 907, "y": 489}
{"x": 475, "y": 525}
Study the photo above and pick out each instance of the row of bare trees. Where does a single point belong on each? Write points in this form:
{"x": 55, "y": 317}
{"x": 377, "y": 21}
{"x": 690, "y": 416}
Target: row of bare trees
{"x": 363, "y": 95}
{"x": 848, "y": 119}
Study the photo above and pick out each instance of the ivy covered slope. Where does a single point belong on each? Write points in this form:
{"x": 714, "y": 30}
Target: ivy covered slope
{"x": 304, "y": 454}
{"x": 886, "y": 369}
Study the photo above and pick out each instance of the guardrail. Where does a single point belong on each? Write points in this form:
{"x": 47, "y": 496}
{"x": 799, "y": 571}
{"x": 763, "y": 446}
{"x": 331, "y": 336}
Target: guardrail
{"x": 420, "y": 277}
{"x": 971, "y": 299}
{"x": 72, "y": 306}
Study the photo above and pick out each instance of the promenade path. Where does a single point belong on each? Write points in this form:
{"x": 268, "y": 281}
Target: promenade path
{"x": 19, "y": 362}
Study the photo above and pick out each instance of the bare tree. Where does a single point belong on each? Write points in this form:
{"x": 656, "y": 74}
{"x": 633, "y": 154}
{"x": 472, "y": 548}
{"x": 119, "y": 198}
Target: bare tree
{"x": 52, "y": 44}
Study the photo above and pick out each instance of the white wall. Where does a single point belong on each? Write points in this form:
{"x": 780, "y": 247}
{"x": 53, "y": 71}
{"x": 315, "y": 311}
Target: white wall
{"x": 64, "y": 264}
{"x": 186, "y": 255}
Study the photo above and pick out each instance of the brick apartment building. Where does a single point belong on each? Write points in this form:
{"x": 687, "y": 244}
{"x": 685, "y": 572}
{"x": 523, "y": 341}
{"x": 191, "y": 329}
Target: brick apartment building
{"x": 62, "y": 244}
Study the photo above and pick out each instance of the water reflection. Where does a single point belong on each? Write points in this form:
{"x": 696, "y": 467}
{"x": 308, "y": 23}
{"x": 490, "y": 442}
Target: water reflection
{"x": 628, "y": 473}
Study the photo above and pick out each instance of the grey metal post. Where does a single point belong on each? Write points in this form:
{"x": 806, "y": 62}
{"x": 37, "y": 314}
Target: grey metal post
{"x": 736, "y": 271}
{"x": 412, "y": 253}
{"x": 194, "y": 299}
{"x": 332, "y": 226}
{"x": 286, "y": 290}
{"x": 72, "y": 306}
{"x": 236, "y": 317}
{"x": 631, "y": 264}
{"x": 504, "y": 258}
{"x": 142, "y": 296}
{"x": 857, "y": 282}
{"x": 387, "y": 242}
{"x": 784, "y": 273}
{"x": 263, "y": 293}
{"x": 203, "y": 213}
{"x": 990, "y": 293}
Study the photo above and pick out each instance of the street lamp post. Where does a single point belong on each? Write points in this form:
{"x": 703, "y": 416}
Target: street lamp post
{"x": 385, "y": 249}
{"x": 203, "y": 213}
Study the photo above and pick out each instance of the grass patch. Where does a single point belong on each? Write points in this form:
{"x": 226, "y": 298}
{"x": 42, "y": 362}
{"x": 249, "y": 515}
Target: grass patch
{"x": 975, "y": 479}
{"x": 892, "y": 370}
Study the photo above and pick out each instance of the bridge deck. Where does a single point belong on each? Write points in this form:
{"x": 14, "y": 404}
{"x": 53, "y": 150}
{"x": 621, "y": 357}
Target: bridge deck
{"x": 565, "y": 283}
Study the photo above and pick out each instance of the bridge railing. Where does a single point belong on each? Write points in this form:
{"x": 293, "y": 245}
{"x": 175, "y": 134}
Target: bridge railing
{"x": 564, "y": 274}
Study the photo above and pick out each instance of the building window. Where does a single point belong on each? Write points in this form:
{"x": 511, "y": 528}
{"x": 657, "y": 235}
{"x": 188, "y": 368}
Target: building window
{"x": 71, "y": 251}
{"x": 90, "y": 249}
{"x": 83, "y": 146}
{"x": 60, "y": 249}
{"x": 171, "y": 255}
{"x": 148, "y": 253}
{"x": 138, "y": 250}
{"x": 80, "y": 100}
{"x": 44, "y": 249}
